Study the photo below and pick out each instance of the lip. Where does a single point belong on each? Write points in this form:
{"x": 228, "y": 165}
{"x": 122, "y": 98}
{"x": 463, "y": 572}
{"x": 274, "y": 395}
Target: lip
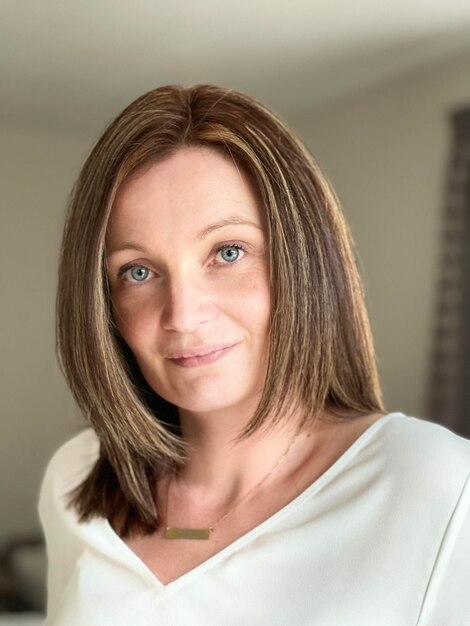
{"x": 200, "y": 351}
{"x": 200, "y": 356}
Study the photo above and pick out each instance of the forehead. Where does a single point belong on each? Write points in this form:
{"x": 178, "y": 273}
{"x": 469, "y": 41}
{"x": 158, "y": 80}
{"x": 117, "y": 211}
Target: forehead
{"x": 186, "y": 175}
{"x": 193, "y": 184}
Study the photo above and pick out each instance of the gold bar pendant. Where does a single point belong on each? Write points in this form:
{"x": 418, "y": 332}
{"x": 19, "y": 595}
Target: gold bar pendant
{"x": 187, "y": 533}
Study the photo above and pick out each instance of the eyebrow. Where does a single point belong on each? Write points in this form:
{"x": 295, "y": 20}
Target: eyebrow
{"x": 126, "y": 245}
{"x": 233, "y": 220}
{"x": 228, "y": 221}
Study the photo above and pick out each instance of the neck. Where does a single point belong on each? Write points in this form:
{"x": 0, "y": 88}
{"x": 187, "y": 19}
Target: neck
{"x": 221, "y": 467}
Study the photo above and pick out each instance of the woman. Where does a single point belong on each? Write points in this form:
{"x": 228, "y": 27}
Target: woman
{"x": 240, "y": 466}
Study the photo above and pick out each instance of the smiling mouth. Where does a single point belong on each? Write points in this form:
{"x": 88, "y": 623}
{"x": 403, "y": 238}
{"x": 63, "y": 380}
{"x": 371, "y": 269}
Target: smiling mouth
{"x": 198, "y": 360}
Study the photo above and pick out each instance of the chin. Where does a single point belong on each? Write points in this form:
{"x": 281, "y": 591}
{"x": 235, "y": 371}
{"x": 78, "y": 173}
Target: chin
{"x": 238, "y": 388}
{"x": 213, "y": 397}
{"x": 205, "y": 402}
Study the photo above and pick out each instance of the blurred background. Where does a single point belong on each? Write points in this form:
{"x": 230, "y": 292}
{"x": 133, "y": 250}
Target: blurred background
{"x": 374, "y": 89}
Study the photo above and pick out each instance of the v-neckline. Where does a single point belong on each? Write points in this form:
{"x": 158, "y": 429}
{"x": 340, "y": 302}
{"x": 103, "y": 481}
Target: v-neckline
{"x": 152, "y": 580}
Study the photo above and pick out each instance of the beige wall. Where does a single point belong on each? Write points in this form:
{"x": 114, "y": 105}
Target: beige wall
{"x": 37, "y": 169}
{"x": 385, "y": 153}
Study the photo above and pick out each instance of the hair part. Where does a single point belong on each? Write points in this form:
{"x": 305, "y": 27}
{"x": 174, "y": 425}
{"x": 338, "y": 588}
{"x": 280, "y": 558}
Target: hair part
{"x": 321, "y": 350}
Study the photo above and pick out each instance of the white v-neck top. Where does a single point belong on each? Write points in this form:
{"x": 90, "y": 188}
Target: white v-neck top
{"x": 382, "y": 538}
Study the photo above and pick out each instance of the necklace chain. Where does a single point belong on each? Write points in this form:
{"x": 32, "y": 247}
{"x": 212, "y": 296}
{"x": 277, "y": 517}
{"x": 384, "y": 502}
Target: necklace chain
{"x": 172, "y": 532}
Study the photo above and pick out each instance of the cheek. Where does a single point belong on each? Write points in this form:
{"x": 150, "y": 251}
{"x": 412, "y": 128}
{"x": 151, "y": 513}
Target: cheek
{"x": 134, "y": 321}
{"x": 252, "y": 298}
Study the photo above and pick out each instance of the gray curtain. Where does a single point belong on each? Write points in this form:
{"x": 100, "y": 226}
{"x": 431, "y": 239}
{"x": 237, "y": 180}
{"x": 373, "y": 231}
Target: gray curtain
{"x": 449, "y": 393}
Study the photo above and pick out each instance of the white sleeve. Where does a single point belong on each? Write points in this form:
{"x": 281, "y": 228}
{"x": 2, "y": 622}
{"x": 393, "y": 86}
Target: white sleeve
{"x": 447, "y": 598}
{"x": 67, "y": 468}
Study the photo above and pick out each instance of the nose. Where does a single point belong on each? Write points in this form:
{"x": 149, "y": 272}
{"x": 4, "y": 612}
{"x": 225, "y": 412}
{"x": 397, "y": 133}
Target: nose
{"x": 187, "y": 305}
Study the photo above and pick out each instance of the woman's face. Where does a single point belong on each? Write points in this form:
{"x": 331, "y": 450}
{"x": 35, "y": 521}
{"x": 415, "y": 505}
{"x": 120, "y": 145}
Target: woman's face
{"x": 187, "y": 264}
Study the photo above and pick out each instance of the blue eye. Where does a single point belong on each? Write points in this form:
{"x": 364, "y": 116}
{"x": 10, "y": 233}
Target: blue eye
{"x": 230, "y": 254}
{"x": 138, "y": 273}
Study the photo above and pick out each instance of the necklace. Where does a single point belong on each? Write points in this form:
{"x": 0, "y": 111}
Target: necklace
{"x": 172, "y": 532}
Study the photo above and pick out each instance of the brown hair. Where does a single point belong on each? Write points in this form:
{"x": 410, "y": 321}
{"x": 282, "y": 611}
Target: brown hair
{"x": 321, "y": 351}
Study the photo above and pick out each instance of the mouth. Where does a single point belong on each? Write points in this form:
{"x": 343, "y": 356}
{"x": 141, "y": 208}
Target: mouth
{"x": 200, "y": 356}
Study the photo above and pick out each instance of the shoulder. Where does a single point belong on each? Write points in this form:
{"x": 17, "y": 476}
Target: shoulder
{"x": 425, "y": 457}
{"x": 75, "y": 458}
{"x": 413, "y": 439}
{"x": 67, "y": 468}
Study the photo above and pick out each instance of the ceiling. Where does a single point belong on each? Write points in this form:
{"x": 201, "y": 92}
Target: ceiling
{"x": 73, "y": 64}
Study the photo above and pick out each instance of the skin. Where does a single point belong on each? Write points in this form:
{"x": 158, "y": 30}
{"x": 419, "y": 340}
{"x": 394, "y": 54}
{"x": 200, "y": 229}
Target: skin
{"x": 187, "y": 265}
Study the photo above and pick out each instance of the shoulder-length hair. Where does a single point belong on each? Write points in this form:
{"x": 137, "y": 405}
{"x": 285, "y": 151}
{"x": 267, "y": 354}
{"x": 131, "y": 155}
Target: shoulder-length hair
{"x": 321, "y": 351}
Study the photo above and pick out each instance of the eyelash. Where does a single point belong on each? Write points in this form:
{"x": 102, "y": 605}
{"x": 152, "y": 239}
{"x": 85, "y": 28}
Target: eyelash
{"x": 127, "y": 268}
